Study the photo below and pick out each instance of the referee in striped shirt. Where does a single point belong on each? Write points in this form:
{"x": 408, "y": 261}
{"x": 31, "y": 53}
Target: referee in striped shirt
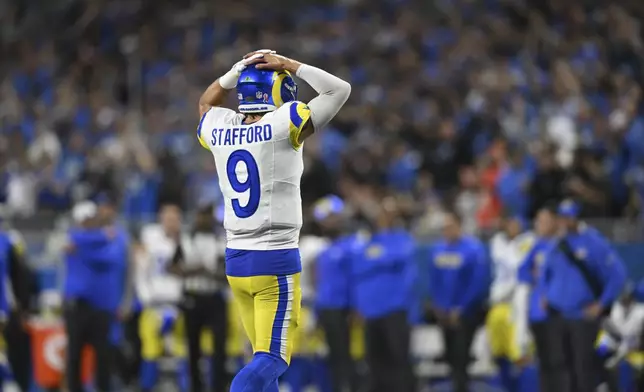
{"x": 197, "y": 260}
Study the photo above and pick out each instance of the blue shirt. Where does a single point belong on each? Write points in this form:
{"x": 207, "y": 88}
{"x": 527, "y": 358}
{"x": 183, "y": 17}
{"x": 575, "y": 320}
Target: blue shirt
{"x": 382, "y": 274}
{"x": 566, "y": 288}
{"x": 529, "y": 272}
{"x": 333, "y": 273}
{"x": 459, "y": 275}
{"x": 91, "y": 252}
{"x": 109, "y": 282}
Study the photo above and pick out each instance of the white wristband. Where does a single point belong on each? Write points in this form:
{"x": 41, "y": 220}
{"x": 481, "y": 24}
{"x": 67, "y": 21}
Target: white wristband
{"x": 228, "y": 81}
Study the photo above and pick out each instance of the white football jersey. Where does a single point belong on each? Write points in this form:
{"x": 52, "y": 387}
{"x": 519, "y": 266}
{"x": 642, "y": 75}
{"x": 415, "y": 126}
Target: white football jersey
{"x": 154, "y": 285}
{"x": 507, "y": 256}
{"x": 260, "y": 167}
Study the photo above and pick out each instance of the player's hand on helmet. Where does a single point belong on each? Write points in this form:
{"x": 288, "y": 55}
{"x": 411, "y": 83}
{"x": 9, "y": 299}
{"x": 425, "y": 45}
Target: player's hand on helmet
{"x": 271, "y": 60}
{"x": 229, "y": 79}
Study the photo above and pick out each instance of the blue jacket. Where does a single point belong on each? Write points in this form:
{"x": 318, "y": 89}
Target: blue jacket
{"x": 91, "y": 253}
{"x": 529, "y": 272}
{"x": 459, "y": 275}
{"x": 566, "y": 289}
{"x": 383, "y": 273}
{"x": 333, "y": 273}
{"x": 109, "y": 282}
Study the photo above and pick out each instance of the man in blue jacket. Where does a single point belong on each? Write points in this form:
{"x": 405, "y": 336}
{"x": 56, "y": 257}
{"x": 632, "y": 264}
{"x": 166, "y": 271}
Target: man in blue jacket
{"x": 332, "y": 282}
{"x": 582, "y": 278}
{"x": 383, "y": 275}
{"x": 113, "y": 286}
{"x": 87, "y": 319}
{"x": 459, "y": 276}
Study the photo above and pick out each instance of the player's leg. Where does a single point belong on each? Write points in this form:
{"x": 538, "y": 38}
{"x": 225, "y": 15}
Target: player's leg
{"x": 180, "y": 350}
{"x": 151, "y": 348}
{"x": 497, "y": 327}
{"x": 277, "y": 310}
{"x": 525, "y": 376}
{"x": 245, "y": 304}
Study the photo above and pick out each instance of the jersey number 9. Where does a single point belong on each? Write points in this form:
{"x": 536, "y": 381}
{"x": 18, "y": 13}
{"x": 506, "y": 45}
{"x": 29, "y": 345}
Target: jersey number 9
{"x": 251, "y": 184}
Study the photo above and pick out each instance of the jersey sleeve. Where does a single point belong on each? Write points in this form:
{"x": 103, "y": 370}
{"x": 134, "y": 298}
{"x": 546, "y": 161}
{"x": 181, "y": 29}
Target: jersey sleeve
{"x": 299, "y": 116}
{"x": 214, "y": 115}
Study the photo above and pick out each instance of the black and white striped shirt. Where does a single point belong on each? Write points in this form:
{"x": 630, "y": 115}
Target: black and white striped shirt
{"x": 199, "y": 249}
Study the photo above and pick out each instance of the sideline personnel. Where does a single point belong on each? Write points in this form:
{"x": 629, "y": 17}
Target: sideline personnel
{"x": 333, "y": 291}
{"x": 383, "y": 275}
{"x": 582, "y": 278}
{"x": 204, "y": 305}
{"x": 459, "y": 276}
{"x": 86, "y": 320}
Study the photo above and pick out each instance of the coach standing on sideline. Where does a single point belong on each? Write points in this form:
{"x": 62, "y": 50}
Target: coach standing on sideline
{"x": 197, "y": 261}
{"x": 582, "y": 277}
{"x": 382, "y": 279}
{"x": 119, "y": 278}
{"x": 87, "y": 321}
{"x": 459, "y": 276}
{"x": 332, "y": 283}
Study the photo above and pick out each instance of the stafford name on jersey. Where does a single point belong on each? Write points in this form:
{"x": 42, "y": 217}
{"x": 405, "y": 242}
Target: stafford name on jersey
{"x": 240, "y": 136}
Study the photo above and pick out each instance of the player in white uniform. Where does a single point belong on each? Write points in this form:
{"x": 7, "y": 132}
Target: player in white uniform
{"x": 258, "y": 154}
{"x": 160, "y": 293}
{"x": 508, "y": 250}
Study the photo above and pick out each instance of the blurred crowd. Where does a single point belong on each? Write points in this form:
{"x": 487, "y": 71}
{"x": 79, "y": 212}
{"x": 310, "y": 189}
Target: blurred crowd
{"x": 484, "y": 106}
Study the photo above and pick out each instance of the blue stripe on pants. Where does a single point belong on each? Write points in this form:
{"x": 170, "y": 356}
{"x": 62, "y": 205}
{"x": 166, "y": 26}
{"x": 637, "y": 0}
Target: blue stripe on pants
{"x": 280, "y": 314}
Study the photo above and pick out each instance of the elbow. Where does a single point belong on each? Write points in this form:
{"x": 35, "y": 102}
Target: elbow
{"x": 344, "y": 90}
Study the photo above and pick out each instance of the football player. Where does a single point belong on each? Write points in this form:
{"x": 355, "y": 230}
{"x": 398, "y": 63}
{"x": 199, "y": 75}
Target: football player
{"x": 258, "y": 153}
{"x": 508, "y": 249}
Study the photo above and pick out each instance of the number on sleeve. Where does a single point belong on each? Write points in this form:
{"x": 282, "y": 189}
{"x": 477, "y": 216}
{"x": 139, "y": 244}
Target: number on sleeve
{"x": 251, "y": 184}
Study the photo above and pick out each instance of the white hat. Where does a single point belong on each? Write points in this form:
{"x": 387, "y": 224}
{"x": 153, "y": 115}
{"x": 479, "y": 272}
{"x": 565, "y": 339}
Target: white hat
{"x": 83, "y": 211}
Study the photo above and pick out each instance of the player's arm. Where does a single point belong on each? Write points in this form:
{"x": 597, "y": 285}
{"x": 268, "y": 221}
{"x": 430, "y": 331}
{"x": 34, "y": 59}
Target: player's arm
{"x": 332, "y": 91}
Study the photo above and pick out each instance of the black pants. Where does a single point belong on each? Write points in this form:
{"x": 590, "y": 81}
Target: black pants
{"x": 566, "y": 349}
{"x": 387, "y": 352}
{"x": 85, "y": 325}
{"x": 127, "y": 356}
{"x": 18, "y": 351}
{"x": 210, "y": 312}
{"x": 337, "y": 332}
{"x": 458, "y": 341}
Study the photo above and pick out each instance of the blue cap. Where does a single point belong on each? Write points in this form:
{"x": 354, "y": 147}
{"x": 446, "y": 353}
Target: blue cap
{"x": 568, "y": 209}
{"x": 262, "y": 90}
{"x": 327, "y": 206}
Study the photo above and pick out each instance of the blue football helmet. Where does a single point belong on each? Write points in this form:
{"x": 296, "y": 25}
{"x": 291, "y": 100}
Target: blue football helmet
{"x": 262, "y": 90}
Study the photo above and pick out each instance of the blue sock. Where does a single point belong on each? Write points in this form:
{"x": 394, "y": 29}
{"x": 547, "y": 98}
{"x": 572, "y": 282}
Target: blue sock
{"x": 505, "y": 374}
{"x": 149, "y": 375}
{"x": 528, "y": 379}
{"x": 183, "y": 379}
{"x": 261, "y": 373}
{"x": 626, "y": 376}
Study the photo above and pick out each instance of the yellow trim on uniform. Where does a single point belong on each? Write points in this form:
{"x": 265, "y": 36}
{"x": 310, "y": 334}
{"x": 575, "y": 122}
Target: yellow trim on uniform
{"x": 203, "y": 144}
{"x": 299, "y": 116}
{"x": 201, "y": 141}
{"x": 276, "y": 92}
